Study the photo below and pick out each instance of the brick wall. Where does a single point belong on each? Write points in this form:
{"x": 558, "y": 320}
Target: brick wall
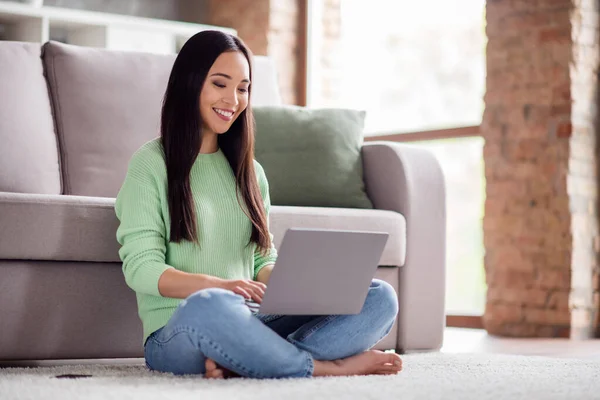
{"x": 250, "y": 18}
{"x": 540, "y": 129}
{"x": 285, "y": 45}
{"x": 268, "y": 27}
{"x": 326, "y": 50}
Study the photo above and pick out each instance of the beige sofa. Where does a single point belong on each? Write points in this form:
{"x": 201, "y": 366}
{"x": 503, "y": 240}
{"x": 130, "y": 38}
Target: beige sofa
{"x": 70, "y": 119}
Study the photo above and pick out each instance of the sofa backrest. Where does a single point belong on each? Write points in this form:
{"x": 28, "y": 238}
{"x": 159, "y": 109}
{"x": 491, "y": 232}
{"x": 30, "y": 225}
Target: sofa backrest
{"x": 28, "y": 149}
{"x": 107, "y": 104}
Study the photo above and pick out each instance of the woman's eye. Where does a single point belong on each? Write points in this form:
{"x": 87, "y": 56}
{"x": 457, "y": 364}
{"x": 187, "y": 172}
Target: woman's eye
{"x": 242, "y": 90}
{"x": 220, "y": 85}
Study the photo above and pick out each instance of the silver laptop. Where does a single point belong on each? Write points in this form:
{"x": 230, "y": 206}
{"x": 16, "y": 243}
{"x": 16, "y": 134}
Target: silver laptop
{"x": 321, "y": 271}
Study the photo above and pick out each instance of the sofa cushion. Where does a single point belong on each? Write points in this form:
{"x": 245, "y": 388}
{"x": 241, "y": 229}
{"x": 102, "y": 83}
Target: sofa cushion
{"x": 312, "y": 157}
{"x": 284, "y": 217}
{"x": 58, "y": 228}
{"x": 106, "y": 105}
{"x": 81, "y": 228}
{"x": 29, "y": 153}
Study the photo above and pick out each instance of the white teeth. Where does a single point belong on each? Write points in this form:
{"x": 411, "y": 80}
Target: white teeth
{"x": 227, "y": 114}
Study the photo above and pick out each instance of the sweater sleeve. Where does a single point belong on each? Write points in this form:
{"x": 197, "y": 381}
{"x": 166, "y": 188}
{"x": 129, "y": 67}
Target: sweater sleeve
{"x": 141, "y": 231}
{"x": 261, "y": 261}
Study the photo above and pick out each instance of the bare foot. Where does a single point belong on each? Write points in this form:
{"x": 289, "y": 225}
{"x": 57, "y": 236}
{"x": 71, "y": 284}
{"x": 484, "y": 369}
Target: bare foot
{"x": 215, "y": 371}
{"x": 371, "y": 362}
{"x": 212, "y": 370}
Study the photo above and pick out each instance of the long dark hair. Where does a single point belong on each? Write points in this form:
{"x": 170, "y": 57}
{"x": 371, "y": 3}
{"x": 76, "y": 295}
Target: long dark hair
{"x": 181, "y": 127}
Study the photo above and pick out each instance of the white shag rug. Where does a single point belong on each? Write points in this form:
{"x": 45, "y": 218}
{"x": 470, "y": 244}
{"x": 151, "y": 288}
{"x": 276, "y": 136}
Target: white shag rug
{"x": 425, "y": 376}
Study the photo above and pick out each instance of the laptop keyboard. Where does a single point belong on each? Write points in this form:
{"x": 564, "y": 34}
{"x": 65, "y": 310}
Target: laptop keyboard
{"x": 252, "y": 305}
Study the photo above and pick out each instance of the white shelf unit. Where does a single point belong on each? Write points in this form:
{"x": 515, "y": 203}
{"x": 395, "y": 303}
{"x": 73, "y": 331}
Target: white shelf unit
{"x": 26, "y": 23}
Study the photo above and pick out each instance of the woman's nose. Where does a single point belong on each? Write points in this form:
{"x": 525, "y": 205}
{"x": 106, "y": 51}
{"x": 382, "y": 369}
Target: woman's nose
{"x": 231, "y": 98}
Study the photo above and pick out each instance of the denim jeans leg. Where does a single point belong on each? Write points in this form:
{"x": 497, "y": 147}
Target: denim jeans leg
{"x": 338, "y": 336}
{"x": 216, "y": 323}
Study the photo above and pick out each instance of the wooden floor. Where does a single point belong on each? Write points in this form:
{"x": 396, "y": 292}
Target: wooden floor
{"x": 460, "y": 340}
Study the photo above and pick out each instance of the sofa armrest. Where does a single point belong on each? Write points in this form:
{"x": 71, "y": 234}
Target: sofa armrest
{"x": 58, "y": 228}
{"x": 409, "y": 180}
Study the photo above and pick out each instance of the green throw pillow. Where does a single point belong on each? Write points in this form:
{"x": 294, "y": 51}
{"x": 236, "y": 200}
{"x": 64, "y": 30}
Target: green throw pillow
{"x": 312, "y": 157}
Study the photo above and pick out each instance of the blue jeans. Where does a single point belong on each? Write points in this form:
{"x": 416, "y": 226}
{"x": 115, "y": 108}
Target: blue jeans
{"x": 216, "y": 323}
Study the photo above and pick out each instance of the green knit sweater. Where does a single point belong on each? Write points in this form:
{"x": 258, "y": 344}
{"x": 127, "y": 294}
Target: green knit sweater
{"x": 143, "y": 233}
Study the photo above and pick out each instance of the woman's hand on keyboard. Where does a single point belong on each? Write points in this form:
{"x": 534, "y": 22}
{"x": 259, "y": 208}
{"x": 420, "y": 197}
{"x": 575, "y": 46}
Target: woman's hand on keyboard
{"x": 251, "y": 290}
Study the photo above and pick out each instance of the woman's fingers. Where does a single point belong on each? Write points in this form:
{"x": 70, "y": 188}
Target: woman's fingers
{"x": 255, "y": 291}
{"x": 256, "y": 284}
{"x": 256, "y": 296}
{"x": 257, "y": 287}
{"x": 262, "y": 285}
{"x": 248, "y": 293}
{"x": 251, "y": 290}
{"x": 239, "y": 290}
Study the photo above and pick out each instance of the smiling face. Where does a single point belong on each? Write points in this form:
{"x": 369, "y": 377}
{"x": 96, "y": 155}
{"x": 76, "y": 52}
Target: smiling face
{"x": 224, "y": 95}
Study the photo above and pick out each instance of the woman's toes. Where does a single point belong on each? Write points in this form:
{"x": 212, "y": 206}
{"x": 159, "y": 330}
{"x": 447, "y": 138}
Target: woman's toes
{"x": 395, "y": 360}
{"x": 218, "y": 374}
{"x": 210, "y": 365}
{"x": 212, "y": 370}
{"x": 214, "y": 374}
